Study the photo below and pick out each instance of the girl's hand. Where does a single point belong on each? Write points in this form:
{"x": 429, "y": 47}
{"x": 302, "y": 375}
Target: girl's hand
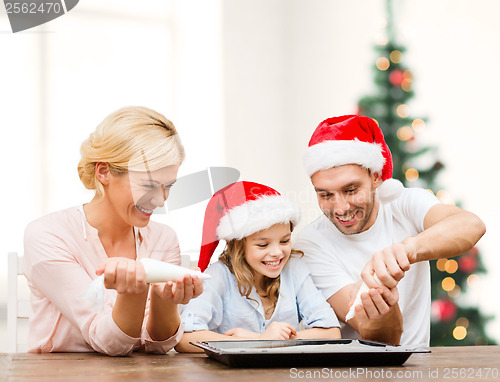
{"x": 179, "y": 292}
{"x": 125, "y": 275}
{"x": 240, "y": 332}
{"x": 278, "y": 331}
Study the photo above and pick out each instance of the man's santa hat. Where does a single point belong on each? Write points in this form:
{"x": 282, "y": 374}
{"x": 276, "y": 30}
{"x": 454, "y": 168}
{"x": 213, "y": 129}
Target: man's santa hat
{"x": 352, "y": 139}
{"x": 240, "y": 210}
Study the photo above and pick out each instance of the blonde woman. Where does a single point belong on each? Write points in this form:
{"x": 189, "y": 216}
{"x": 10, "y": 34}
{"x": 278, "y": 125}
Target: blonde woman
{"x": 260, "y": 288}
{"x": 131, "y": 161}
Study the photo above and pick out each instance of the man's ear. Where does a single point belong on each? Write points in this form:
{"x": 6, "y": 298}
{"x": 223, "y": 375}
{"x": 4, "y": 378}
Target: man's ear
{"x": 376, "y": 179}
{"x": 102, "y": 173}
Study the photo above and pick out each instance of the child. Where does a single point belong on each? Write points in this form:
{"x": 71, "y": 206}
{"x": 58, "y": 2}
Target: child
{"x": 259, "y": 290}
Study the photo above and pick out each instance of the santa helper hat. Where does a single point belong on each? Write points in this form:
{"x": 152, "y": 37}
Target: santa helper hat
{"x": 353, "y": 139}
{"x": 240, "y": 210}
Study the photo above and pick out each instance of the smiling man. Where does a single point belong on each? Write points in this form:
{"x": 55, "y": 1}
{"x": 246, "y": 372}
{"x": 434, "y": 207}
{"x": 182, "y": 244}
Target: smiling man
{"x": 373, "y": 226}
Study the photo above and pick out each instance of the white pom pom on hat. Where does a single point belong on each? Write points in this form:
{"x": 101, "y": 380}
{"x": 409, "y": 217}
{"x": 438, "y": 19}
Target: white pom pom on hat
{"x": 353, "y": 139}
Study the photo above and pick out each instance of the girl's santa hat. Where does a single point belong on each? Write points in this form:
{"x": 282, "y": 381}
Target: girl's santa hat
{"x": 352, "y": 139}
{"x": 242, "y": 209}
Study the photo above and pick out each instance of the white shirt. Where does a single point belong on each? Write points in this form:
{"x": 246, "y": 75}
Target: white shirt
{"x": 221, "y": 306}
{"x": 336, "y": 259}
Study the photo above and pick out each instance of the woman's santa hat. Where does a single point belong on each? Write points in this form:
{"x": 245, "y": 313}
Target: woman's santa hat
{"x": 352, "y": 139}
{"x": 240, "y": 210}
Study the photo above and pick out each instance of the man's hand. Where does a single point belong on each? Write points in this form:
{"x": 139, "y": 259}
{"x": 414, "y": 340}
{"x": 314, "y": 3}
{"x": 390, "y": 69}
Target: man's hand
{"x": 389, "y": 264}
{"x": 376, "y": 303}
{"x": 379, "y": 318}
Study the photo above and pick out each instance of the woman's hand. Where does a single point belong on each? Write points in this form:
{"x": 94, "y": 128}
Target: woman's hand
{"x": 278, "y": 331}
{"x": 180, "y": 291}
{"x": 125, "y": 275}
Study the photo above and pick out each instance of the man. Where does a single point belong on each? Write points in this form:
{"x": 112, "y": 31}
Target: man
{"x": 373, "y": 226}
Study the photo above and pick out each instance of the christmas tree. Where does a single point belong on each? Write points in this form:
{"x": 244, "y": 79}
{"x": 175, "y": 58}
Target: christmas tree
{"x": 452, "y": 323}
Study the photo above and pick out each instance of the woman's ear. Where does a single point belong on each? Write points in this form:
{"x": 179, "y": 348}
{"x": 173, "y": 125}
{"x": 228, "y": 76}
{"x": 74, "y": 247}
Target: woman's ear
{"x": 102, "y": 173}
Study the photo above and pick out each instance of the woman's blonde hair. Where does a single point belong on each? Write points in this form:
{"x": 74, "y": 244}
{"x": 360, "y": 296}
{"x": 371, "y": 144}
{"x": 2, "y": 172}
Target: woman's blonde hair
{"x": 233, "y": 257}
{"x": 126, "y": 139}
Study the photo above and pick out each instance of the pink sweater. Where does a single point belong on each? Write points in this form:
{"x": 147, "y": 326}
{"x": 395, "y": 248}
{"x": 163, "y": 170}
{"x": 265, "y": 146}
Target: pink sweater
{"x": 61, "y": 254}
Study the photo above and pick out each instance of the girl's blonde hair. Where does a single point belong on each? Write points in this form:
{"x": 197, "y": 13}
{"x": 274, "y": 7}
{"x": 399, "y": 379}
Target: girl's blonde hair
{"x": 127, "y": 138}
{"x": 233, "y": 257}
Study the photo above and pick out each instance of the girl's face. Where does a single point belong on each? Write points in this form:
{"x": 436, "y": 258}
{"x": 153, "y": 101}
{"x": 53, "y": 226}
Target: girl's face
{"x": 267, "y": 251}
{"x": 136, "y": 194}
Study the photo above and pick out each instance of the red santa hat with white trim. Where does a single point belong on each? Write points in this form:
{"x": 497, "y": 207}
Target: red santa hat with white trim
{"x": 353, "y": 139}
{"x": 240, "y": 210}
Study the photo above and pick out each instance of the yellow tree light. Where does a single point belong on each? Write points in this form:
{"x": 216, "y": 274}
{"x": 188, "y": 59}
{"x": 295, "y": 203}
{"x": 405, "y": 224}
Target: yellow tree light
{"x": 459, "y": 333}
{"x": 451, "y": 266}
{"x": 411, "y": 175}
{"x": 418, "y": 124}
{"x": 448, "y": 284}
{"x": 472, "y": 280}
{"x": 383, "y": 63}
{"x": 405, "y": 133}
{"x": 440, "y": 264}
{"x": 406, "y": 85}
{"x": 462, "y": 321}
{"x": 403, "y": 111}
{"x": 396, "y": 56}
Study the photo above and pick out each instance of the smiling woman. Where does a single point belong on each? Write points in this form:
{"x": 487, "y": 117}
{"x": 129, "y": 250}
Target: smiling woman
{"x": 151, "y": 188}
{"x": 131, "y": 161}
{"x": 132, "y": 151}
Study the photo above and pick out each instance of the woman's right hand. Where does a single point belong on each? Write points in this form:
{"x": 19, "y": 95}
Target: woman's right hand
{"x": 125, "y": 275}
{"x": 278, "y": 331}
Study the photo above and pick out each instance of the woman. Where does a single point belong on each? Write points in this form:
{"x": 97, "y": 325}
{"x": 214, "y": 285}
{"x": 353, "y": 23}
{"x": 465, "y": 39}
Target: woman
{"x": 131, "y": 161}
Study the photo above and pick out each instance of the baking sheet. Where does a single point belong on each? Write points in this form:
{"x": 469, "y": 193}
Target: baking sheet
{"x": 293, "y": 353}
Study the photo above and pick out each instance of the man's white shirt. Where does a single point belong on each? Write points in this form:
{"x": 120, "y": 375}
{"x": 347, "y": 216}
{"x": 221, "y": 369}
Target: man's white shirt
{"x": 336, "y": 260}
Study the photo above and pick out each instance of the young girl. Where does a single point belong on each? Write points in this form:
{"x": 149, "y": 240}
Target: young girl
{"x": 259, "y": 288}
{"x": 131, "y": 161}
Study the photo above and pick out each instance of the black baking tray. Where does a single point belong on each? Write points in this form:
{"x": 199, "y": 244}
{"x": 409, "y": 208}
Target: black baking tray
{"x": 293, "y": 353}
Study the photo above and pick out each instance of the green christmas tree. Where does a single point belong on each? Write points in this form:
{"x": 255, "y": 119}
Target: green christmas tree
{"x": 452, "y": 323}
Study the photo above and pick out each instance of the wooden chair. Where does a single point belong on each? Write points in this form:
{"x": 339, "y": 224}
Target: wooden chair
{"x": 18, "y": 308}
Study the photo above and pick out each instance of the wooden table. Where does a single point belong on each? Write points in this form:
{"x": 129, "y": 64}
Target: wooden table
{"x": 480, "y": 363}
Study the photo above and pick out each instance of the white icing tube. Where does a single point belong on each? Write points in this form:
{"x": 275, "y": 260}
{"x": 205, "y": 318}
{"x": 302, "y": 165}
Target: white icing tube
{"x": 159, "y": 271}
{"x": 156, "y": 272}
{"x": 357, "y": 301}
